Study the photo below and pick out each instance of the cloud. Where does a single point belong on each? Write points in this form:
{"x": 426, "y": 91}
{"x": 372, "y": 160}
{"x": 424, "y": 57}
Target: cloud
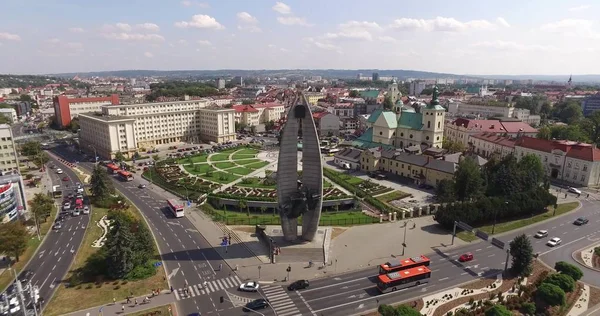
{"x": 356, "y": 30}
{"x": 512, "y": 46}
{"x": 201, "y": 21}
{"x": 323, "y": 45}
{"x": 76, "y": 30}
{"x": 134, "y": 37}
{"x": 148, "y": 54}
{"x": 75, "y": 45}
{"x": 182, "y": 42}
{"x": 53, "y": 41}
{"x": 204, "y": 43}
{"x": 188, "y": 3}
{"x": 502, "y": 22}
{"x": 245, "y": 17}
{"x": 293, "y": 20}
{"x": 282, "y": 8}
{"x": 580, "y": 8}
{"x": 572, "y": 27}
{"x": 387, "y": 39}
{"x": 249, "y": 28}
{"x": 9, "y": 36}
{"x": 441, "y": 24}
{"x": 123, "y": 27}
{"x": 148, "y": 27}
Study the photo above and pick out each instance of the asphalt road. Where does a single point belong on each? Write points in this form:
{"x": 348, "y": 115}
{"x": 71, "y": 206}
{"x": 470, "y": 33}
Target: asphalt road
{"x": 189, "y": 258}
{"x": 55, "y": 255}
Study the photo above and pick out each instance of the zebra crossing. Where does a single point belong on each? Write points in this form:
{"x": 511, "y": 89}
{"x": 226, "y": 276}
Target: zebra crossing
{"x": 280, "y": 300}
{"x": 211, "y": 286}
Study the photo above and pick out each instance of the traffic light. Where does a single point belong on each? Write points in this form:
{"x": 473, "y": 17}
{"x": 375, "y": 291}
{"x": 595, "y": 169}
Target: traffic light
{"x": 221, "y": 299}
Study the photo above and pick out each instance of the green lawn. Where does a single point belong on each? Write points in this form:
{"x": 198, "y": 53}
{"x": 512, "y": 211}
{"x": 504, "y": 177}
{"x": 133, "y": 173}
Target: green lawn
{"x": 394, "y": 195}
{"x": 219, "y": 157}
{"x": 349, "y": 218}
{"x": 348, "y": 178}
{"x": 193, "y": 159}
{"x": 247, "y": 151}
{"x": 247, "y": 161}
{"x": 220, "y": 177}
{"x": 257, "y": 165}
{"x": 198, "y": 168}
{"x": 240, "y": 170}
{"x": 243, "y": 156}
{"x": 502, "y": 227}
{"x": 153, "y": 311}
{"x": 224, "y": 165}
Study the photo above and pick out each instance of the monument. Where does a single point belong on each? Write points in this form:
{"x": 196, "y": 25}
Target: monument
{"x": 299, "y": 198}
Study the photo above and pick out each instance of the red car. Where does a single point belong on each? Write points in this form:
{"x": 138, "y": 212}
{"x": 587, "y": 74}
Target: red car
{"x": 66, "y": 179}
{"x": 466, "y": 257}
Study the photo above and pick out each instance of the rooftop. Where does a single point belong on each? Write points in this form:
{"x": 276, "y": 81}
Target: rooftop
{"x": 574, "y": 150}
{"x": 496, "y": 139}
{"x": 106, "y": 118}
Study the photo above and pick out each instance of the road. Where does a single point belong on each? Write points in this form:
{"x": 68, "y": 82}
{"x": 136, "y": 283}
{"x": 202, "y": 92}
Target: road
{"x": 54, "y": 257}
{"x": 188, "y": 257}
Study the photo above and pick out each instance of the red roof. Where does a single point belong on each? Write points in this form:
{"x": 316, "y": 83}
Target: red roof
{"x": 266, "y": 105}
{"x": 319, "y": 115}
{"x": 494, "y": 126}
{"x": 496, "y": 139}
{"x": 575, "y": 150}
{"x": 244, "y": 108}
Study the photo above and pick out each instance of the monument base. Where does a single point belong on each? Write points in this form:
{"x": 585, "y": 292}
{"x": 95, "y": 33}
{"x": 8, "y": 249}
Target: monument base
{"x": 296, "y": 251}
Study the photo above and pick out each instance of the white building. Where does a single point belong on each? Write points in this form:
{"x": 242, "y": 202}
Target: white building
{"x": 128, "y": 128}
{"x": 9, "y": 162}
{"x": 416, "y": 87}
{"x": 479, "y": 110}
{"x": 13, "y": 201}
{"x": 257, "y": 114}
{"x": 220, "y": 83}
{"x": 10, "y": 113}
{"x": 348, "y": 158}
{"x": 327, "y": 124}
{"x": 525, "y": 116}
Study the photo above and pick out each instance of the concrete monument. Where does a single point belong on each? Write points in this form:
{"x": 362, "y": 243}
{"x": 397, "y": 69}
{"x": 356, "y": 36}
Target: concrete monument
{"x": 304, "y": 197}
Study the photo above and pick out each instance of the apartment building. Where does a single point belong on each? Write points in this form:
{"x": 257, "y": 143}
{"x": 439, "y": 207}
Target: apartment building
{"x": 9, "y": 162}
{"x": 575, "y": 163}
{"x": 342, "y": 109}
{"x": 491, "y": 144}
{"x": 313, "y": 97}
{"x": 222, "y": 100}
{"x": 480, "y": 110}
{"x": 327, "y": 124}
{"x": 461, "y": 129}
{"x": 10, "y": 113}
{"x": 256, "y": 114}
{"x": 13, "y": 201}
{"x": 128, "y": 128}
{"x": 524, "y": 115}
{"x": 65, "y": 108}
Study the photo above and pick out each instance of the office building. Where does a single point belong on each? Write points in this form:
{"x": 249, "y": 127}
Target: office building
{"x": 220, "y": 83}
{"x": 256, "y": 114}
{"x": 13, "y": 201}
{"x": 461, "y": 129}
{"x": 65, "y": 109}
{"x": 590, "y": 104}
{"x": 375, "y": 76}
{"x": 128, "y": 128}
{"x": 10, "y": 114}
{"x": 416, "y": 87}
{"x": 9, "y": 162}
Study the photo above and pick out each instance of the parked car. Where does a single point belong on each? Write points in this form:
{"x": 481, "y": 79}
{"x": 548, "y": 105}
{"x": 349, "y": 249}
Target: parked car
{"x": 466, "y": 257}
{"x": 298, "y": 285}
{"x": 249, "y": 287}
{"x": 541, "y": 234}
{"x": 581, "y": 221}
{"x": 57, "y": 226}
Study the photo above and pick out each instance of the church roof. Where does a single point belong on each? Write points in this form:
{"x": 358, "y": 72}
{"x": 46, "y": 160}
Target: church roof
{"x": 411, "y": 120}
{"x": 369, "y": 94}
{"x": 390, "y": 119}
{"x": 374, "y": 116}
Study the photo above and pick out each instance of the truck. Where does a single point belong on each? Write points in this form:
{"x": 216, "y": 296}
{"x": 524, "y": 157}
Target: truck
{"x": 56, "y": 192}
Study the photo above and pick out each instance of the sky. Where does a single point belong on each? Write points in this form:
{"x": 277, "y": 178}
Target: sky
{"x": 543, "y": 37}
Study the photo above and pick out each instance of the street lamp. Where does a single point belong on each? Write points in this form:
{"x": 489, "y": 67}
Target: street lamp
{"x": 404, "y": 242}
{"x": 95, "y": 152}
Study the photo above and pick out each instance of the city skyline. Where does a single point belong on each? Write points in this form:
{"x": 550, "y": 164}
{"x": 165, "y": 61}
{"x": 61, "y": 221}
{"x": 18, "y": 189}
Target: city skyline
{"x": 466, "y": 38}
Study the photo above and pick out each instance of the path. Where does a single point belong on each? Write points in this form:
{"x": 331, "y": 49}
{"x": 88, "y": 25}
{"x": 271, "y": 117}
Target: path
{"x": 166, "y": 297}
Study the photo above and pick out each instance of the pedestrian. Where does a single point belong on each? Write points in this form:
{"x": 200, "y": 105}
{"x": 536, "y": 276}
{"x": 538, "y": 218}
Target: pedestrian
{"x": 136, "y": 302}
{"x": 123, "y": 308}
{"x": 128, "y": 300}
{"x": 172, "y": 289}
{"x": 220, "y": 266}
{"x": 114, "y": 301}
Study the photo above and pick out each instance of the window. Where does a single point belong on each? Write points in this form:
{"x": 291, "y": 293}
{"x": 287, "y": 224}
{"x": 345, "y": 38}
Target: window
{"x": 401, "y": 134}
{"x": 437, "y": 138}
{"x": 427, "y": 138}
{"x": 545, "y": 158}
{"x": 584, "y": 167}
{"x": 569, "y": 164}
{"x": 380, "y": 133}
{"x": 439, "y": 124}
{"x": 576, "y": 165}
{"x": 583, "y": 177}
{"x": 428, "y": 124}
{"x": 410, "y": 136}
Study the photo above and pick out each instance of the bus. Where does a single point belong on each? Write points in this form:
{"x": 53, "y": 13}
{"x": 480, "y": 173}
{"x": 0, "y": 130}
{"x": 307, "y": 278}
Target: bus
{"x": 79, "y": 203}
{"x": 403, "y": 279}
{"x": 124, "y": 175}
{"x": 176, "y": 207}
{"x": 403, "y": 264}
{"x": 111, "y": 168}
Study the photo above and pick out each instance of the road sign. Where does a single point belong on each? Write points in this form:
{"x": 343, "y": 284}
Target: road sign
{"x": 157, "y": 264}
{"x": 481, "y": 235}
{"x": 498, "y": 243}
{"x": 464, "y": 226}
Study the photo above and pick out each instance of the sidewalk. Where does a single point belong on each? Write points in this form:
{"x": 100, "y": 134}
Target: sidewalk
{"x": 116, "y": 309}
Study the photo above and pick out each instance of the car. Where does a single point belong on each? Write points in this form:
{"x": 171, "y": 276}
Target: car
{"x": 141, "y": 186}
{"x": 381, "y": 176}
{"x": 65, "y": 179}
{"x": 541, "y": 234}
{"x": 249, "y": 287}
{"x": 66, "y": 205}
{"x": 79, "y": 190}
{"x": 574, "y": 190}
{"x": 581, "y": 221}
{"x": 298, "y": 285}
{"x": 554, "y": 242}
{"x": 76, "y": 212}
{"x": 57, "y": 226}
{"x": 26, "y": 276}
{"x": 465, "y": 257}
{"x": 260, "y": 303}
{"x": 59, "y": 171}
{"x": 78, "y": 185}
{"x": 86, "y": 209}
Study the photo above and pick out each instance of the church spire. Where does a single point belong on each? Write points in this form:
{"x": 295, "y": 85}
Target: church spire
{"x": 434, "y": 98}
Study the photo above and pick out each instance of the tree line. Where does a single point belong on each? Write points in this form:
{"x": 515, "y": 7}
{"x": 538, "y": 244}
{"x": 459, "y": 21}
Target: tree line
{"x": 181, "y": 88}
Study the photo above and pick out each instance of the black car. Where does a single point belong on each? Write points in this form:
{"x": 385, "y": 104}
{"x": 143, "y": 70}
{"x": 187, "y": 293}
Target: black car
{"x": 581, "y": 221}
{"x": 256, "y": 304}
{"x": 298, "y": 285}
{"x": 25, "y": 276}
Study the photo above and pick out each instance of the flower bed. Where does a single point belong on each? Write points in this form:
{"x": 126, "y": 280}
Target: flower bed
{"x": 251, "y": 193}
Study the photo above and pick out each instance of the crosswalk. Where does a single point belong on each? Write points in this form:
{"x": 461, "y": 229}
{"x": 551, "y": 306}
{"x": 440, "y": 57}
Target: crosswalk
{"x": 280, "y": 301}
{"x": 212, "y": 286}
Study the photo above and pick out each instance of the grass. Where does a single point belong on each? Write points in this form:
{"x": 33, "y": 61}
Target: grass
{"x": 247, "y": 162}
{"x": 160, "y": 310}
{"x": 348, "y": 178}
{"x": 257, "y": 165}
{"x": 224, "y": 165}
{"x": 219, "y": 157}
{"x": 242, "y": 156}
{"x": 70, "y": 299}
{"x": 346, "y": 218}
{"x": 254, "y": 182}
{"x": 32, "y": 245}
{"x": 507, "y": 226}
{"x": 246, "y": 151}
{"x": 240, "y": 170}
{"x": 392, "y": 196}
{"x": 220, "y": 177}
{"x": 198, "y": 169}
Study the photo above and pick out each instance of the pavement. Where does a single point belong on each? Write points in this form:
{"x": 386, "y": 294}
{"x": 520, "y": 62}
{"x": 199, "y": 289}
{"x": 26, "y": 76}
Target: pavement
{"x": 121, "y": 306}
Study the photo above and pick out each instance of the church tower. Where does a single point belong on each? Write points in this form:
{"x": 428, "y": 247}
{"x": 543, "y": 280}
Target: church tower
{"x": 433, "y": 121}
{"x": 394, "y": 92}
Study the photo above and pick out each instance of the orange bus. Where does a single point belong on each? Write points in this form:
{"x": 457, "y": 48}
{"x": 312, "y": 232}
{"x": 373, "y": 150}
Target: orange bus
{"x": 402, "y": 279}
{"x": 124, "y": 175}
{"x": 111, "y": 168}
{"x": 403, "y": 264}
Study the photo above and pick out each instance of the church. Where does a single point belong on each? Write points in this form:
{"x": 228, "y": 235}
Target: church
{"x": 403, "y": 126}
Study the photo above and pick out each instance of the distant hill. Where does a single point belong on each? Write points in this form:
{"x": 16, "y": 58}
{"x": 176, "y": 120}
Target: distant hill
{"x": 557, "y": 78}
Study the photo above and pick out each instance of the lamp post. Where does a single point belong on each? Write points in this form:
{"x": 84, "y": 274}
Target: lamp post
{"x": 95, "y": 153}
{"x": 404, "y": 242}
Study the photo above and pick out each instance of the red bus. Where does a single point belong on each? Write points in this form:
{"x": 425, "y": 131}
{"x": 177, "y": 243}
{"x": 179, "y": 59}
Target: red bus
{"x": 402, "y": 279}
{"x": 111, "y": 168}
{"x": 79, "y": 203}
{"x": 176, "y": 207}
{"x": 124, "y": 175}
{"x": 403, "y": 264}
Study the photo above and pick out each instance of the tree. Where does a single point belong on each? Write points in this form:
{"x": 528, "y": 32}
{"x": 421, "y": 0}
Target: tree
{"x": 544, "y": 133}
{"x": 564, "y": 281}
{"x": 5, "y": 120}
{"x": 402, "y": 310}
{"x": 591, "y": 126}
{"x": 569, "y": 269}
{"x": 269, "y": 125}
{"x": 498, "y": 310}
{"x": 13, "y": 238}
{"x": 386, "y": 310}
{"x": 550, "y": 294}
{"x": 102, "y": 187}
{"x": 143, "y": 245}
{"x": 568, "y": 112}
{"x": 31, "y": 148}
{"x": 528, "y": 309}
{"x": 155, "y": 157}
{"x": 240, "y": 126}
{"x": 453, "y": 146}
{"x": 533, "y": 169}
{"x": 387, "y": 103}
{"x": 119, "y": 156}
{"x": 354, "y": 94}
{"x": 252, "y": 129}
{"x": 468, "y": 183}
{"x": 445, "y": 192}
{"x": 119, "y": 248}
{"x": 522, "y": 255}
{"x": 41, "y": 207}
{"x": 74, "y": 125}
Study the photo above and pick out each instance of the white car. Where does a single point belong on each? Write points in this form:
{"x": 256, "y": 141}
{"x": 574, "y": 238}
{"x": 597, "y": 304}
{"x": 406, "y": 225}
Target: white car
{"x": 249, "y": 287}
{"x": 86, "y": 209}
{"x": 66, "y": 206}
{"x": 541, "y": 234}
{"x": 554, "y": 242}
{"x": 76, "y": 212}
{"x": 574, "y": 190}
{"x": 59, "y": 171}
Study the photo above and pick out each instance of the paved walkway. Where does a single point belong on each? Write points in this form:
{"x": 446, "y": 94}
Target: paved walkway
{"x": 122, "y": 308}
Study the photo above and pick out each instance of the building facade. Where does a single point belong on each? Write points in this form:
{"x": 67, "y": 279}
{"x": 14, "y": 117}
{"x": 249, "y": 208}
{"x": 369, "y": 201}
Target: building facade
{"x": 348, "y": 157}
{"x": 13, "y": 201}
{"x": 314, "y": 97}
{"x": 256, "y": 114}
{"x": 491, "y": 144}
{"x": 416, "y": 87}
{"x": 217, "y": 124}
{"x": 11, "y": 114}
{"x": 65, "y": 108}
{"x": 480, "y": 110}
{"x": 577, "y": 164}
{"x": 590, "y": 104}
{"x": 461, "y": 129}
{"x": 327, "y": 124}
{"x": 9, "y": 161}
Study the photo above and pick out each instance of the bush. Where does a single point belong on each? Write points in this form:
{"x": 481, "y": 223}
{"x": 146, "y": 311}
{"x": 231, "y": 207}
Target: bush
{"x": 550, "y": 294}
{"x": 141, "y": 272}
{"x": 569, "y": 269}
{"x": 528, "y": 309}
{"x": 498, "y": 310}
{"x": 386, "y": 310}
{"x": 564, "y": 281}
